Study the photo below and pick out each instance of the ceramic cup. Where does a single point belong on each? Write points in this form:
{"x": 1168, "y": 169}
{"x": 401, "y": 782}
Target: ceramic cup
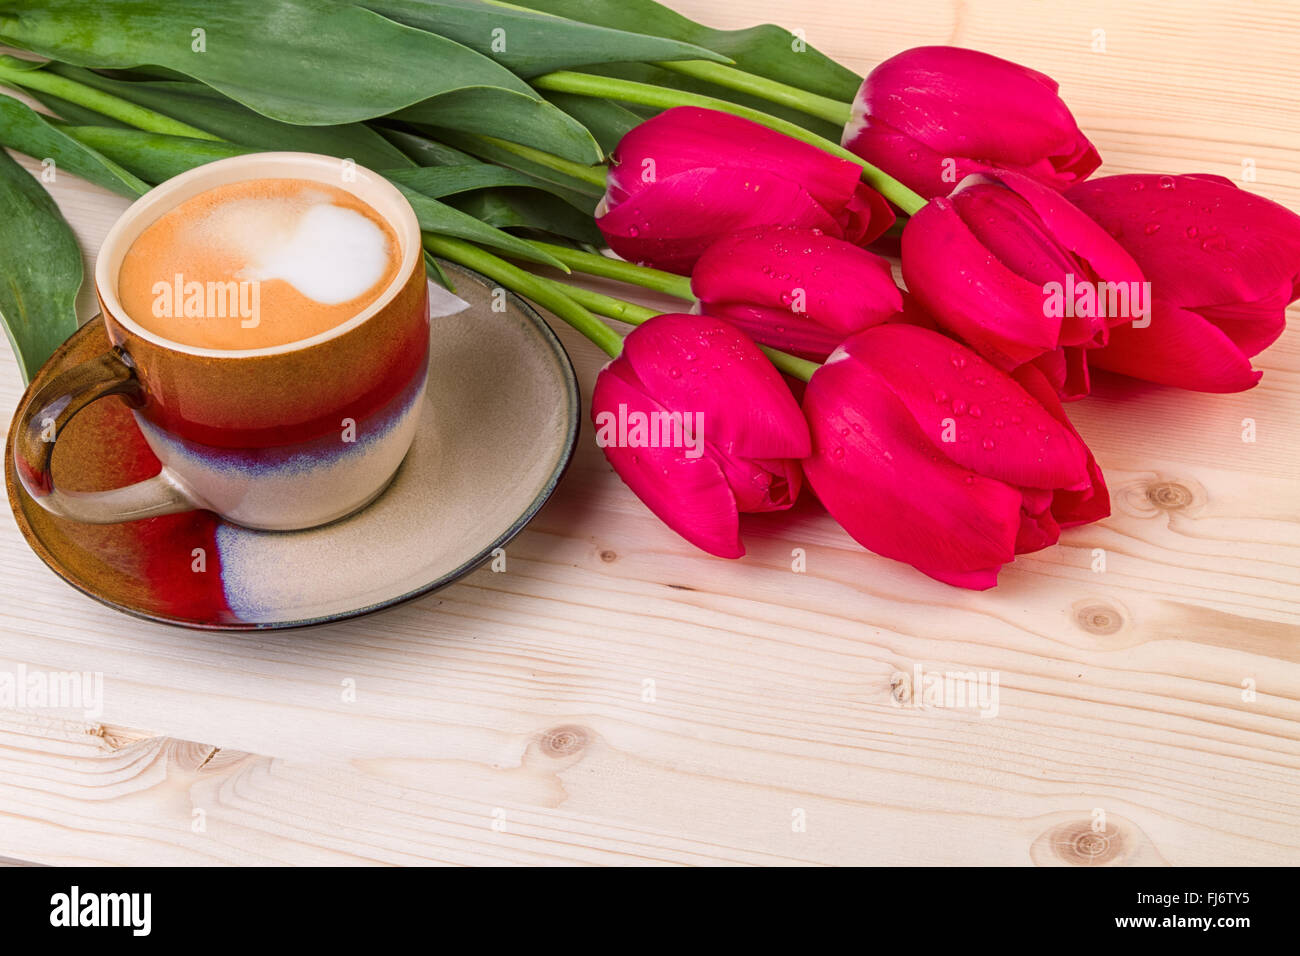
{"x": 276, "y": 438}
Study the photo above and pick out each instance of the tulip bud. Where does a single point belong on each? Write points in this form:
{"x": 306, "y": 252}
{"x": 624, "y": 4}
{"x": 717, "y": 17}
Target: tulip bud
{"x": 1223, "y": 265}
{"x": 798, "y": 290}
{"x": 927, "y": 454}
{"x": 1022, "y": 276}
{"x": 932, "y": 115}
{"x": 684, "y": 179}
{"x": 701, "y": 426}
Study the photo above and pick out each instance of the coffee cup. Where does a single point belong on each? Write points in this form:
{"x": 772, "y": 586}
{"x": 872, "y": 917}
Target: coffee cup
{"x": 275, "y": 437}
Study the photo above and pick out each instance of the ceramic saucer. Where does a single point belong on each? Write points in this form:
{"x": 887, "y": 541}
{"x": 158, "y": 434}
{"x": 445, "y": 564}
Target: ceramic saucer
{"x": 496, "y": 433}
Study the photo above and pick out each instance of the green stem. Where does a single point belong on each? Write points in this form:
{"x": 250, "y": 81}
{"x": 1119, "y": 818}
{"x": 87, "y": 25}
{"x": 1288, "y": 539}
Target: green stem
{"x": 595, "y": 175}
{"x": 607, "y": 305}
{"x": 823, "y": 107}
{"x": 634, "y": 314}
{"x": 97, "y": 100}
{"x": 597, "y": 265}
{"x": 544, "y": 292}
{"x": 628, "y": 91}
{"x": 802, "y": 369}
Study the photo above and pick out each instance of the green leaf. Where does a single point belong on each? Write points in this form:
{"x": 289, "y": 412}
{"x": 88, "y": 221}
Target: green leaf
{"x": 530, "y": 44}
{"x": 523, "y": 209}
{"x": 435, "y": 272}
{"x": 766, "y": 50}
{"x": 25, "y": 130}
{"x": 428, "y": 152}
{"x": 608, "y": 121}
{"x": 437, "y": 217}
{"x": 154, "y": 157}
{"x": 209, "y": 110}
{"x": 508, "y": 115}
{"x": 437, "y": 182}
{"x": 581, "y": 195}
{"x": 424, "y": 151}
{"x": 306, "y": 62}
{"x": 157, "y": 156}
{"x": 41, "y": 269}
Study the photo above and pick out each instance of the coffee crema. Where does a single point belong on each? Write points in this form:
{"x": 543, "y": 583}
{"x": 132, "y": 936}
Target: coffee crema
{"x": 257, "y": 264}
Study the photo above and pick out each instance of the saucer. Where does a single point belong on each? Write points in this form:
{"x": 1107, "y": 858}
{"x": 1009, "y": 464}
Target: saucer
{"x": 498, "y": 428}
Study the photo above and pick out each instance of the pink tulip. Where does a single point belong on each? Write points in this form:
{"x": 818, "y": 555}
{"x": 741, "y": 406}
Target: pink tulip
{"x": 798, "y": 290}
{"x": 1223, "y": 265}
{"x": 684, "y": 179}
{"x": 701, "y": 426}
{"x": 934, "y": 114}
{"x": 1021, "y": 275}
{"x": 927, "y": 454}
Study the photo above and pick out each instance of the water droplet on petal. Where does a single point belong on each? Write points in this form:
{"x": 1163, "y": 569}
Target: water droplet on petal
{"x": 1151, "y": 228}
{"x": 988, "y": 444}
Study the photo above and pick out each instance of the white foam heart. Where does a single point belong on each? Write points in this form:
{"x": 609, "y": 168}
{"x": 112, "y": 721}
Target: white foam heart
{"x": 331, "y": 254}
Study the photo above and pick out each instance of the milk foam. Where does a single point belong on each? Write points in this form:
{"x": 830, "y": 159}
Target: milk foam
{"x": 329, "y": 253}
{"x": 309, "y": 255}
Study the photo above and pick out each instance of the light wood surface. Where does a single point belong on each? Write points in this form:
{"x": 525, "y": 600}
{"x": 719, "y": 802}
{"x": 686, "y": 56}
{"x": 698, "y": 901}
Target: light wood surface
{"x": 615, "y": 697}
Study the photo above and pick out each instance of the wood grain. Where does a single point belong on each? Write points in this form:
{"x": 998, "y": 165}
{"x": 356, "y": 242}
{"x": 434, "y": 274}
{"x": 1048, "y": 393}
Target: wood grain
{"x": 615, "y": 697}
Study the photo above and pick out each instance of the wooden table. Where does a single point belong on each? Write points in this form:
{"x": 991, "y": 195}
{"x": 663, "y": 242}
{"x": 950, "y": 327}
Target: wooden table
{"x": 617, "y": 697}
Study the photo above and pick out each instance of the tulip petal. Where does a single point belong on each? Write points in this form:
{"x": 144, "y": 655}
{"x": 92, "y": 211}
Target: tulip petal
{"x": 760, "y": 485}
{"x": 823, "y": 279}
{"x": 970, "y": 293}
{"x": 690, "y": 495}
{"x": 915, "y": 164}
{"x": 1016, "y": 271}
{"x": 698, "y": 364}
{"x": 866, "y": 217}
{"x": 1076, "y": 232}
{"x": 1178, "y": 348}
{"x": 779, "y": 329}
{"x": 979, "y": 580}
{"x": 1200, "y": 240}
{"x": 893, "y": 491}
{"x": 1252, "y": 326}
{"x": 1038, "y": 527}
{"x": 1089, "y": 501}
{"x": 970, "y": 411}
{"x": 671, "y": 226}
{"x": 958, "y": 104}
{"x": 1067, "y": 371}
{"x": 687, "y": 137}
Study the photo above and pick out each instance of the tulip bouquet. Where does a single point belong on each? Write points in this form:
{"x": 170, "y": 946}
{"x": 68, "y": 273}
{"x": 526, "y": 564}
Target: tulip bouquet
{"x": 746, "y": 175}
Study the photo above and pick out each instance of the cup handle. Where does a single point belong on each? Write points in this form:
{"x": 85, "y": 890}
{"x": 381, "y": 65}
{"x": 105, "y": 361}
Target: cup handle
{"x": 48, "y": 414}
